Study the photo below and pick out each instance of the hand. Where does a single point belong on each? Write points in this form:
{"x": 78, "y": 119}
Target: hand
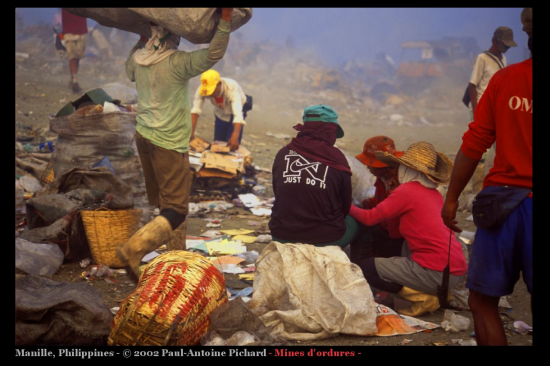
{"x": 226, "y": 14}
{"x": 448, "y": 213}
{"x": 366, "y": 203}
{"x": 391, "y": 185}
{"x": 233, "y": 143}
{"x": 192, "y": 137}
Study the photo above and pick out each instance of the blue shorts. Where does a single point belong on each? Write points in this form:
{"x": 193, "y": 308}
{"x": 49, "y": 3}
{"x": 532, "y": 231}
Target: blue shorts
{"x": 499, "y": 255}
{"x": 223, "y": 130}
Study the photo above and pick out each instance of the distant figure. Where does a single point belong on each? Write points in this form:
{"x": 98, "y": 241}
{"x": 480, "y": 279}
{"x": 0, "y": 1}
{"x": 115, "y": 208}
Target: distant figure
{"x": 75, "y": 29}
{"x": 229, "y": 102}
{"x": 101, "y": 35}
{"x": 489, "y": 62}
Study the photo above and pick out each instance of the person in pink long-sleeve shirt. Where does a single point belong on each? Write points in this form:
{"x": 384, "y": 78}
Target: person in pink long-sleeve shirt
{"x": 417, "y": 203}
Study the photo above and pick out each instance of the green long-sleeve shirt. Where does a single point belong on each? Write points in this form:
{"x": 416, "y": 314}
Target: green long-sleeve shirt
{"x": 164, "y": 116}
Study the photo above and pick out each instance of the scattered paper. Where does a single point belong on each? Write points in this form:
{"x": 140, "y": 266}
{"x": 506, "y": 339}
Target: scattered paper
{"x": 190, "y": 243}
{"x": 226, "y": 259}
{"x": 237, "y": 231}
{"x": 390, "y": 323}
{"x": 211, "y": 234}
{"x": 261, "y": 211}
{"x": 247, "y": 276}
{"x": 225, "y": 247}
{"x": 250, "y": 200}
{"x": 149, "y": 257}
{"x": 247, "y": 239}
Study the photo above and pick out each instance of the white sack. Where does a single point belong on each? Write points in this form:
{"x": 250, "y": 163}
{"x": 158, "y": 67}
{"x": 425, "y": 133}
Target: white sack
{"x": 308, "y": 293}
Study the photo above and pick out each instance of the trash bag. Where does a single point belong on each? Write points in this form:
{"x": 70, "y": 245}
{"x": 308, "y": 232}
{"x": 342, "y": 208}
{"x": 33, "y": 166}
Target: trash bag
{"x": 37, "y": 259}
{"x": 85, "y": 140}
{"x": 307, "y": 293}
{"x": 96, "y": 179}
{"x": 362, "y": 181}
{"x": 56, "y": 313}
{"x": 197, "y": 25}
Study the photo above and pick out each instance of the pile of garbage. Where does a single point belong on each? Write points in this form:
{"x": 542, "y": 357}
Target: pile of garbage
{"x": 218, "y": 173}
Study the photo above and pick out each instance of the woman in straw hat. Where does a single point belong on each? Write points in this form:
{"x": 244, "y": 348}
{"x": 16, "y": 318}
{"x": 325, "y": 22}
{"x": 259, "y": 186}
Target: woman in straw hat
{"x": 417, "y": 273}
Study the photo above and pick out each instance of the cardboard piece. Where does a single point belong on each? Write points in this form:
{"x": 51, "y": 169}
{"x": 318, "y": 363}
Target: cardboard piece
{"x": 226, "y": 162}
{"x": 220, "y": 148}
{"x": 199, "y": 144}
{"x": 205, "y": 173}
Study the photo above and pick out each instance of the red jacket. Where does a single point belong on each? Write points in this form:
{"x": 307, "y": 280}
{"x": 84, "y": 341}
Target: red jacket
{"x": 73, "y": 24}
{"x": 505, "y": 115}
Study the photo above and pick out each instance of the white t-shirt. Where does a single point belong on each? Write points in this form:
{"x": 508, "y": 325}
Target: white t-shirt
{"x": 233, "y": 101}
{"x": 483, "y": 70}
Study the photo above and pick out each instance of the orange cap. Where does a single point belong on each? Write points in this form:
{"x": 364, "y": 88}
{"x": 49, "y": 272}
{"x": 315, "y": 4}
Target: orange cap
{"x": 377, "y": 143}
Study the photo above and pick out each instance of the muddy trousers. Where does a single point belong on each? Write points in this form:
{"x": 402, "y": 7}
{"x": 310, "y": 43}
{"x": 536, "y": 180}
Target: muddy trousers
{"x": 167, "y": 180}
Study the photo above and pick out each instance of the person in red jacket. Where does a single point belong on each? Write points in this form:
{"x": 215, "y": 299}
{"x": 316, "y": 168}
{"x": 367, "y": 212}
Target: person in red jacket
{"x": 384, "y": 239}
{"x": 75, "y": 29}
{"x": 500, "y": 252}
{"x": 416, "y": 274}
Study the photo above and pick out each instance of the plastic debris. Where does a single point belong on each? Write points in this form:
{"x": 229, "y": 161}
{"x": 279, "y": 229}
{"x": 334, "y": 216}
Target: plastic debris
{"x": 249, "y": 257}
{"x": 264, "y": 239}
{"x": 522, "y": 328}
{"x": 85, "y": 262}
{"x": 454, "y": 323}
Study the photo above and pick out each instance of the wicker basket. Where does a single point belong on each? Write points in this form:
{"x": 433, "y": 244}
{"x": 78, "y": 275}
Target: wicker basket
{"x": 171, "y": 303}
{"x": 106, "y": 230}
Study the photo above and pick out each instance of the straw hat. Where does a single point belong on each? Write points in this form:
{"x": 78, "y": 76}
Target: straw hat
{"x": 421, "y": 156}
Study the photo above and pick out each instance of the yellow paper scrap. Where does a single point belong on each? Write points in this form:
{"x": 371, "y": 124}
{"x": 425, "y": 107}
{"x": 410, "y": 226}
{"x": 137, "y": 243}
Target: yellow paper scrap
{"x": 225, "y": 247}
{"x": 247, "y": 239}
{"x": 237, "y": 232}
{"x": 247, "y": 276}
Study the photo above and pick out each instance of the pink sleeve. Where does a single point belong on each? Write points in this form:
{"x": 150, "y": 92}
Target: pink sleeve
{"x": 391, "y": 207}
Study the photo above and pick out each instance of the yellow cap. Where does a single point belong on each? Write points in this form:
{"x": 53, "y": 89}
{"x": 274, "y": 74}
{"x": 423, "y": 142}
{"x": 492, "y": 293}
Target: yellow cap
{"x": 209, "y": 81}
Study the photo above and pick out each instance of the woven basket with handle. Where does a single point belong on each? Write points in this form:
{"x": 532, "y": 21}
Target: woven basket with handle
{"x": 106, "y": 230}
{"x": 171, "y": 303}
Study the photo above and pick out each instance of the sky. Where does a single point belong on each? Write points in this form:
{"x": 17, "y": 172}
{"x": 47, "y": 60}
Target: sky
{"x": 338, "y": 35}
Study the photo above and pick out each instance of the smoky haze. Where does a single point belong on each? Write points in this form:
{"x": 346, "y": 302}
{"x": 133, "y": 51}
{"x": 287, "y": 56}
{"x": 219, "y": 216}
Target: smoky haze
{"x": 338, "y": 35}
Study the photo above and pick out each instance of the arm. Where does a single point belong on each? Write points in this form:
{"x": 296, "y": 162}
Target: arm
{"x": 130, "y": 64}
{"x": 233, "y": 142}
{"x": 199, "y": 61}
{"x": 395, "y": 205}
{"x": 473, "y": 96}
{"x": 194, "y": 120}
{"x": 463, "y": 170}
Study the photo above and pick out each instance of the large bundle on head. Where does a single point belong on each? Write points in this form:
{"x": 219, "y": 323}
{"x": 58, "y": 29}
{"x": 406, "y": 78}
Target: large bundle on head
{"x": 197, "y": 25}
{"x": 171, "y": 303}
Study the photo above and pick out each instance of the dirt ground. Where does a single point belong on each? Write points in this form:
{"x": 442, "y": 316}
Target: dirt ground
{"x": 41, "y": 89}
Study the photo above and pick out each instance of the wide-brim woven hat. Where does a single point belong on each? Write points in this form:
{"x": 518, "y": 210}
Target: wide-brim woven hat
{"x": 421, "y": 156}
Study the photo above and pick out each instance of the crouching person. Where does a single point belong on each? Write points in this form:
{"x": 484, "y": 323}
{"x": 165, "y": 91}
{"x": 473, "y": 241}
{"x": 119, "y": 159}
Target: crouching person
{"x": 415, "y": 274}
{"x": 312, "y": 185}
